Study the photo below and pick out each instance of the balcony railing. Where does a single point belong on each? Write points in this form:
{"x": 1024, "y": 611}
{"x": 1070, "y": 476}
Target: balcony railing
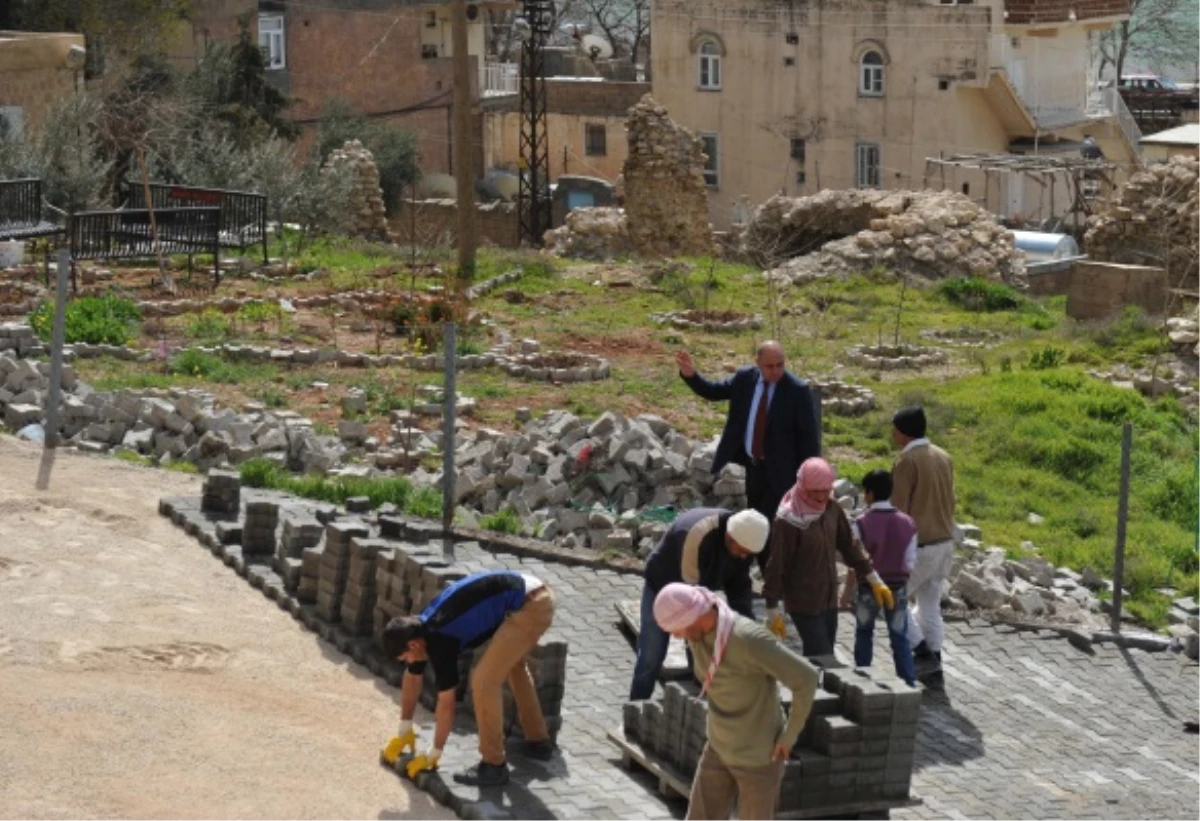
{"x": 1039, "y": 12}
{"x": 500, "y": 78}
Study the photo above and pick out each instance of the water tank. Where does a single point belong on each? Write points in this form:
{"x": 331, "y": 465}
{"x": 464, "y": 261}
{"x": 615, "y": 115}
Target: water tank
{"x": 1040, "y": 246}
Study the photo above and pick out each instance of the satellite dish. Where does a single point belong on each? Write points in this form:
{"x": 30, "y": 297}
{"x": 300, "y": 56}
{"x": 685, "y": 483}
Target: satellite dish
{"x": 595, "y": 47}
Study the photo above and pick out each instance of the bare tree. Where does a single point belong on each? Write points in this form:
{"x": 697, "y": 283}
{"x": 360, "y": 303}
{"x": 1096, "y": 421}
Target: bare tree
{"x": 502, "y": 41}
{"x": 1161, "y": 32}
{"x": 624, "y": 23}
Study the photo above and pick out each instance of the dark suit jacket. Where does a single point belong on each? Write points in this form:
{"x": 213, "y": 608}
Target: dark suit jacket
{"x": 793, "y": 423}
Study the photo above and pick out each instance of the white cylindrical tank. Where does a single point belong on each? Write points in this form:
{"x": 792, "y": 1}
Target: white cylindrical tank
{"x": 1038, "y": 245}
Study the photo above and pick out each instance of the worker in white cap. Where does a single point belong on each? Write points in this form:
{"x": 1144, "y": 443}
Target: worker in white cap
{"x": 707, "y": 546}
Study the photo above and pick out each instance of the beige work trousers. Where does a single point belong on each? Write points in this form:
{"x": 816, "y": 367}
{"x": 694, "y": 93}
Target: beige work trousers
{"x": 505, "y": 659}
{"x": 716, "y": 785}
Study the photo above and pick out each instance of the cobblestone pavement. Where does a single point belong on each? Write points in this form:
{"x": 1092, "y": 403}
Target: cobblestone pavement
{"x": 1027, "y": 727}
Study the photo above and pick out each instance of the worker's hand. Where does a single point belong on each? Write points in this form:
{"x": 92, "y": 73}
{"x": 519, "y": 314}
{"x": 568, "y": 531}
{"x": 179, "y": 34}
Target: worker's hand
{"x": 781, "y": 752}
{"x": 421, "y": 763}
{"x": 687, "y": 368}
{"x": 776, "y": 624}
{"x": 398, "y": 744}
{"x": 883, "y": 596}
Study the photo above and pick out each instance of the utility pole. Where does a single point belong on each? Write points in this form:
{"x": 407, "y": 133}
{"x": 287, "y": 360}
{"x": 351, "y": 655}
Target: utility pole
{"x": 464, "y": 176}
{"x": 533, "y": 199}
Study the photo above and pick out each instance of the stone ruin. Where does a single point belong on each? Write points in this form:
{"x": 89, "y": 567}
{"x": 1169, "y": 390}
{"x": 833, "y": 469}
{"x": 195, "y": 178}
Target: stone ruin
{"x": 1152, "y": 221}
{"x": 666, "y": 200}
{"x": 933, "y": 234}
{"x": 366, "y": 214}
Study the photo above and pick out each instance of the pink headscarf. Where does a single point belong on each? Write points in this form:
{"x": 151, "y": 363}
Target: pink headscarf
{"x": 797, "y": 504}
{"x": 678, "y": 606}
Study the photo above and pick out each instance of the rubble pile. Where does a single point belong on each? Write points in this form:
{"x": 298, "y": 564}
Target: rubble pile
{"x": 1184, "y": 332}
{"x": 935, "y": 234}
{"x": 366, "y": 215}
{"x": 591, "y": 233}
{"x": 1152, "y": 217}
{"x": 715, "y": 321}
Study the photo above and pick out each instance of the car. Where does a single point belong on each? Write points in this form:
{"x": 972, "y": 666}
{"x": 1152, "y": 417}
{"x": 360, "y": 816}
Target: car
{"x": 1151, "y": 89}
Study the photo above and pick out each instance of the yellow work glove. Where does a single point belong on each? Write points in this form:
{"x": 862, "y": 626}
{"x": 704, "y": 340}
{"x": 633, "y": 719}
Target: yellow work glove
{"x": 421, "y": 763}
{"x": 776, "y": 624}
{"x": 883, "y": 595}
{"x": 399, "y": 743}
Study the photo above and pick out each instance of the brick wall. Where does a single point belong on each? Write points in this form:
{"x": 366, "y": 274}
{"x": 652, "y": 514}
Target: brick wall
{"x": 1024, "y": 12}
{"x": 435, "y": 223}
{"x": 1102, "y": 289}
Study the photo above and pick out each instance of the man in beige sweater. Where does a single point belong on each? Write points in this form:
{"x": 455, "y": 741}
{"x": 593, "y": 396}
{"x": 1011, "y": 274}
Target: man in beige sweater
{"x": 740, "y": 664}
{"x": 923, "y": 487}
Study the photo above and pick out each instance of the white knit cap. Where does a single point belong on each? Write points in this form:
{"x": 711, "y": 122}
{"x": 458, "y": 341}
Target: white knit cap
{"x": 749, "y": 528}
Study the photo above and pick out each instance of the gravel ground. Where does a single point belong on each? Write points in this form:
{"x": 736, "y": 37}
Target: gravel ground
{"x": 141, "y": 679}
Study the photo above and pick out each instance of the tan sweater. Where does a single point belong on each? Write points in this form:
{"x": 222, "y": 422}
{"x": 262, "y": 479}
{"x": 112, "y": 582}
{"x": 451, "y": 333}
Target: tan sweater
{"x": 745, "y": 716}
{"x": 923, "y": 487}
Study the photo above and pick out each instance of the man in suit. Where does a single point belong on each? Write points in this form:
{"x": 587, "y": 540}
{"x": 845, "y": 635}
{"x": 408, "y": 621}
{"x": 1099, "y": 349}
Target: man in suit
{"x": 773, "y": 425}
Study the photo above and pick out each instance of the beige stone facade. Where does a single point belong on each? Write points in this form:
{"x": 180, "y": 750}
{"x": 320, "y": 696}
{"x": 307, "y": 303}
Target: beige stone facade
{"x": 796, "y": 98}
{"x": 34, "y": 72}
{"x": 585, "y": 123}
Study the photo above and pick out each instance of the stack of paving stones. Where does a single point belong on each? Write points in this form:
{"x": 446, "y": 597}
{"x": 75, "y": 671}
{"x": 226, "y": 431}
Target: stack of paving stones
{"x": 359, "y": 596}
{"x": 310, "y": 574}
{"x": 858, "y": 744}
{"x": 335, "y": 567}
{"x": 299, "y": 532}
{"x": 258, "y": 533}
{"x": 222, "y": 493}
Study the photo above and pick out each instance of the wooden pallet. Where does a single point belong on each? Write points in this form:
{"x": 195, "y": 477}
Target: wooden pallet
{"x": 675, "y": 666}
{"x": 674, "y": 784}
{"x": 671, "y": 782}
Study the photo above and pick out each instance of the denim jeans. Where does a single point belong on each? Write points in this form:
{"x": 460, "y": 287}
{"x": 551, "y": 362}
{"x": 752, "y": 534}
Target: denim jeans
{"x": 897, "y": 623}
{"x": 651, "y": 650}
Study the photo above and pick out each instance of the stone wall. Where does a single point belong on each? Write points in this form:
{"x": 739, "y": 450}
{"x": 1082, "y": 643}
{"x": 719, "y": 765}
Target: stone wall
{"x": 1152, "y": 220}
{"x": 436, "y": 223}
{"x": 666, "y": 202}
{"x": 1102, "y": 289}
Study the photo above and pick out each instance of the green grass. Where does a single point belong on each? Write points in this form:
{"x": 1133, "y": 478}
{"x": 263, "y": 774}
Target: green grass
{"x": 1048, "y": 441}
{"x": 262, "y": 473}
{"x": 502, "y": 521}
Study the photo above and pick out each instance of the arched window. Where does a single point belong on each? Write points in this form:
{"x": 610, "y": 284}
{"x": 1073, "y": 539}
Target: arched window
{"x": 870, "y": 74}
{"x": 710, "y": 66}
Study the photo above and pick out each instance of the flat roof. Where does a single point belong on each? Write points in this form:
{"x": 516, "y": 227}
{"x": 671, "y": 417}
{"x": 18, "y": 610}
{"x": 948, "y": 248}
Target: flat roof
{"x": 1186, "y": 134}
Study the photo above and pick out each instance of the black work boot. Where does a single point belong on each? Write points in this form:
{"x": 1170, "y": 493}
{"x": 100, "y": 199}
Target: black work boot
{"x": 538, "y": 750}
{"x": 922, "y": 652}
{"x": 484, "y": 774}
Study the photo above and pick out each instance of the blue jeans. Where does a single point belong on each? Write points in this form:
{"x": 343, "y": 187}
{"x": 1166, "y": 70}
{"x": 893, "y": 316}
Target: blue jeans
{"x": 897, "y": 623}
{"x": 651, "y": 650}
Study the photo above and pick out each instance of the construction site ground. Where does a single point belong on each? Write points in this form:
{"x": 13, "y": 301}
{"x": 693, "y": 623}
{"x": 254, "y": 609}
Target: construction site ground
{"x": 142, "y": 678}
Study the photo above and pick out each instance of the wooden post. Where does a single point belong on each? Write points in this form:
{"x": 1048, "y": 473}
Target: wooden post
{"x": 1122, "y": 516}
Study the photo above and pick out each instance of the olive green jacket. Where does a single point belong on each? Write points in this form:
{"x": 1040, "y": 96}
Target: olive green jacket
{"x": 745, "y": 716}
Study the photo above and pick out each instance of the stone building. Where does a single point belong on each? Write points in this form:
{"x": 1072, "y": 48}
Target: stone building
{"x": 797, "y": 97}
{"x": 36, "y": 69}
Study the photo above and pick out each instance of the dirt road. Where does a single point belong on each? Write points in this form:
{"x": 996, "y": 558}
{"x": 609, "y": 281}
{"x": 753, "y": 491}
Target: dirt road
{"x": 140, "y": 678}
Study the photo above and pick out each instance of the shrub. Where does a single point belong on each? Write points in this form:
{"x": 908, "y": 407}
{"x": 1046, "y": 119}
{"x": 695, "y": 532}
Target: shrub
{"x": 503, "y": 521}
{"x": 191, "y": 362}
{"x": 980, "y": 294}
{"x": 209, "y": 326}
{"x": 1047, "y": 358}
{"x": 107, "y": 319}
